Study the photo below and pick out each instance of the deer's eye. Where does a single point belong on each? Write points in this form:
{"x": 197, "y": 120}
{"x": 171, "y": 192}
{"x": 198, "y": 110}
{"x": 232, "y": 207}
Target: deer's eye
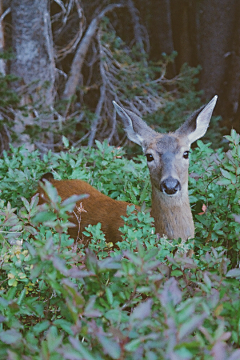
{"x": 186, "y": 154}
{"x": 149, "y": 157}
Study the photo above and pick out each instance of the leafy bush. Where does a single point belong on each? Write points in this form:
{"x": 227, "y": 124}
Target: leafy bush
{"x": 144, "y": 300}
{"x": 215, "y": 182}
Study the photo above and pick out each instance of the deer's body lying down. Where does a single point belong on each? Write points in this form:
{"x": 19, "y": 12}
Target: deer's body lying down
{"x": 167, "y": 157}
{"x": 96, "y": 208}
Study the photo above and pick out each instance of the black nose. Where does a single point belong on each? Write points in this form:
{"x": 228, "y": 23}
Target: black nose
{"x": 170, "y": 186}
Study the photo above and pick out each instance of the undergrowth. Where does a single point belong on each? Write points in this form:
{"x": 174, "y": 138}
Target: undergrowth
{"x": 144, "y": 300}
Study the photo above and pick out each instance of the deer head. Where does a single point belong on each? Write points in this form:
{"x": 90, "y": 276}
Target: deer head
{"x": 167, "y": 159}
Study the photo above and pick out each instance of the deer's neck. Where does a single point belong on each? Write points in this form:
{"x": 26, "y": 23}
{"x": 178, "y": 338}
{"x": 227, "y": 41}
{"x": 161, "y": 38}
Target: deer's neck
{"x": 172, "y": 215}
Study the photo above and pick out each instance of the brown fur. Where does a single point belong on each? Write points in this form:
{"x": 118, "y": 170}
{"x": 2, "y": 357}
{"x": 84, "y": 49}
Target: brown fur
{"x": 173, "y": 216}
{"x": 99, "y": 208}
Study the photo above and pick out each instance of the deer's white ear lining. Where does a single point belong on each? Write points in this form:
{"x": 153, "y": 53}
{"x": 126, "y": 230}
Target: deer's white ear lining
{"x": 203, "y": 120}
{"x": 128, "y": 125}
{"x": 124, "y": 116}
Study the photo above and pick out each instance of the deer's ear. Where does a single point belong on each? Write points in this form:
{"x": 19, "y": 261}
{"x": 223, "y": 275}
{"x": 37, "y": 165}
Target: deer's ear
{"x": 137, "y": 130}
{"x": 196, "y": 126}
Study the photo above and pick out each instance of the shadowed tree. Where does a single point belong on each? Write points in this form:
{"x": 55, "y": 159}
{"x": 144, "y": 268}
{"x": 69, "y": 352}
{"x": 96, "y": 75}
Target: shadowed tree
{"x": 33, "y": 62}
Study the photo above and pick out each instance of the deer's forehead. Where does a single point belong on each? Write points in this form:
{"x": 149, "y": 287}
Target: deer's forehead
{"x": 169, "y": 143}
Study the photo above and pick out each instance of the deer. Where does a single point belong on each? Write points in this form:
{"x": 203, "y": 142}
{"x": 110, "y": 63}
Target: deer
{"x": 167, "y": 158}
{"x": 94, "y": 209}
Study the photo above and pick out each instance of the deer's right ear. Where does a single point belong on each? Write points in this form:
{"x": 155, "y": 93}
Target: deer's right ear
{"x": 137, "y": 130}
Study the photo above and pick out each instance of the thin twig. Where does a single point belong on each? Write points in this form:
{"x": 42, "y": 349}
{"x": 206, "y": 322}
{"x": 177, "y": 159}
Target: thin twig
{"x": 81, "y": 52}
{"x": 102, "y": 96}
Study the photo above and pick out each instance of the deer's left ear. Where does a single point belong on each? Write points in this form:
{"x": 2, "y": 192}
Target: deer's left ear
{"x": 196, "y": 126}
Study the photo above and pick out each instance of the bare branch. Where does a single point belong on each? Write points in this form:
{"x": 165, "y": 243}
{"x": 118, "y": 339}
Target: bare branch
{"x": 60, "y": 3}
{"x": 73, "y": 43}
{"x": 97, "y": 115}
{"x": 80, "y": 55}
{"x": 114, "y": 124}
{"x": 102, "y": 95}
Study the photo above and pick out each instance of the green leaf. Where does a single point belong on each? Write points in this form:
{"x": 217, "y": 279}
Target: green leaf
{"x": 36, "y": 270}
{"x": 171, "y": 293}
{"x": 53, "y": 339}
{"x": 234, "y": 273}
{"x": 142, "y": 311}
{"x": 40, "y": 327}
{"x": 26, "y": 203}
{"x": 133, "y": 345}
{"x": 176, "y": 273}
{"x": 10, "y": 336}
{"x": 74, "y": 198}
{"x": 224, "y": 182}
{"x": 65, "y": 325}
{"x": 44, "y": 216}
{"x": 21, "y": 296}
{"x": 84, "y": 352}
{"x": 225, "y": 174}
{"x": 65, "y": 142}
{"x": 11, "y": 293}
{"x": 12, "y": 282}
{"x": 190, "y": 326}
{"x": 109, "y": 296}
{"x": 110, "y": 347}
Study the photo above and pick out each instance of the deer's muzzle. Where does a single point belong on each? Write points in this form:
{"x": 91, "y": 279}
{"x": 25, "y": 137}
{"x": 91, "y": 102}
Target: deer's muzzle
{"x": 170, "y": 186}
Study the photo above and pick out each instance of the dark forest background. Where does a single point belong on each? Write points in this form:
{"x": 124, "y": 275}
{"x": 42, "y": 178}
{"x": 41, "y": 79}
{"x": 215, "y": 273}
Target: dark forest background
{"x": 64, "y": 61}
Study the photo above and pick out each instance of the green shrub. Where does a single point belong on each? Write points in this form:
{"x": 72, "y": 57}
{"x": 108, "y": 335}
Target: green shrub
{"x": 215, "y": 182}
{"x": 144, "y": 300}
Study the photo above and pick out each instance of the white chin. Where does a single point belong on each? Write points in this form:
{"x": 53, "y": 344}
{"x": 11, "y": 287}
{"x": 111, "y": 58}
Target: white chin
{"x": 171, "y": 195}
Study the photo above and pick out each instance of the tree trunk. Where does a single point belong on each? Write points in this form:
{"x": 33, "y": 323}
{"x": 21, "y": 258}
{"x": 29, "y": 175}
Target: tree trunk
{"x": 157, "y": 15}
{"x": 216, "y": 30}
{"x": 161, "y": 28}
{"x": 33, "y": 48}
{"x": 34, "y": 60}
{"x": 231, "y": 101}
{"x": 184, "y": 32}
{"x": 2, "y": 62}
